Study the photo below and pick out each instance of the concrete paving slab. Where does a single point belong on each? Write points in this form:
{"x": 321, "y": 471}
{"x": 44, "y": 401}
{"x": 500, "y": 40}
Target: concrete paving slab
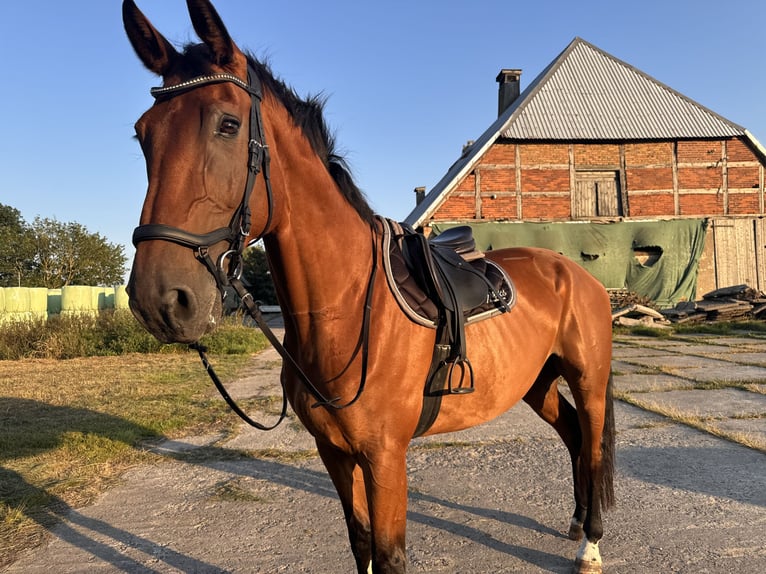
{"x": 726, "y": 373}
{"x": 497, "y": 506}
{"x": 702, "y": 369}
{"x": 649, "y": 382}
{"x": 710, "y": 402}
{"x": 753, "y": 429}
{"x": 675, "y": 362}
{"x": 704, "y": 350}
{"x": 731, "y": 341}
{"x": 626, "y": 368}
{"x": 741, "y": 355}
{"x": 649, "y": 342}
{"x": 628, "y": 352}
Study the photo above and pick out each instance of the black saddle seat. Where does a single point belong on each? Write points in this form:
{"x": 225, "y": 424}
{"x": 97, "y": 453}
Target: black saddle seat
{"x": 459, "y": 239}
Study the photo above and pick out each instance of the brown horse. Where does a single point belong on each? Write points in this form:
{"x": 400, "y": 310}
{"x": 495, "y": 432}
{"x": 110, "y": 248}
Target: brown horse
{"x": 204, "y": 141}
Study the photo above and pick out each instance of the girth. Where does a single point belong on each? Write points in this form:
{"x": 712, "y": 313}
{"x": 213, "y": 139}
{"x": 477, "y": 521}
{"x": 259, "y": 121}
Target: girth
{"x": 444, "y": 283}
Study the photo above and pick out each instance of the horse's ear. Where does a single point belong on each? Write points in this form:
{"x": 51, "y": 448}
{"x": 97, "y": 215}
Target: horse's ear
{"x": 152, "y": 48}
{"x": 210, "y": 29}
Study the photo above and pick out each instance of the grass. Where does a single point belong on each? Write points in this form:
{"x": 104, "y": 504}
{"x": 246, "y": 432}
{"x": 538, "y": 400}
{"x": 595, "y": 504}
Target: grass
{"x": 70, "y": 428}
{"x": 108, "y": 333}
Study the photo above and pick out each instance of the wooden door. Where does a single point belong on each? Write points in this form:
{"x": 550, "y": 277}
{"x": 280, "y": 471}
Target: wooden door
{"x": 596, "y": 194}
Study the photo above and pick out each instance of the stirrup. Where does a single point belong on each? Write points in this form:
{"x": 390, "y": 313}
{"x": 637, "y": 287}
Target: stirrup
{"x": 460, "y": 389}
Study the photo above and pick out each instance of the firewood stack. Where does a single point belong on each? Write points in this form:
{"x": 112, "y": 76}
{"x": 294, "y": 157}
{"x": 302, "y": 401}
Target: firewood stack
{"x": 736, "y": 303}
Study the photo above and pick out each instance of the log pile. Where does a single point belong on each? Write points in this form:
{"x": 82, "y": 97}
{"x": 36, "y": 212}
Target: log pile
{"x": 736, "y": 303}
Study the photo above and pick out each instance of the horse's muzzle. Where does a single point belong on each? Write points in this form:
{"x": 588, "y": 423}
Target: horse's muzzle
{"x": 180, "y": 313}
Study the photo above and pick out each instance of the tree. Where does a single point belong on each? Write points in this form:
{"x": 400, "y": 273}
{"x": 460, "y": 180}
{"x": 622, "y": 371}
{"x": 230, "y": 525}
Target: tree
{"x": 16, "y": 249}
{"x": 49, "y": 253}
{"x": 257, "y": 277}
{"x": 67, "y": 254}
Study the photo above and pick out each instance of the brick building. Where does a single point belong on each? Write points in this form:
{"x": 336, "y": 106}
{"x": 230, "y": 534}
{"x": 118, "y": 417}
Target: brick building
{"x": 594, "y": 141}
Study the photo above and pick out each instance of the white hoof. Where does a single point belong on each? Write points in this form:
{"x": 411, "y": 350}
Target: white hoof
{"x": 588, "y": 558}
{"x": 369, "y": 568}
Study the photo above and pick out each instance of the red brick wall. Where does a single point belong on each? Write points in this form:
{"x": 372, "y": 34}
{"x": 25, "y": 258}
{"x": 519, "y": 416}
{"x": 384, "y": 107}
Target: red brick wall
{"x": 699, "y": 151}
{"x": 744, "y": 177}
{"x": 457, "y": 207}
{"x": 647, "y": 154}
{"x": 500, "y": 153}
{"x": 744, "y": 203}
{"x": 499, "y": 206}
{"x": 535, "y": 180}
{"x": 709, "y": 177}
{"x": 706, "y": 182}
{"x": 737, "y": 150}
{"x": 701, "y": 203}
{"x": 542, "y": 154}
{"x": 546, "y": 207}
{"x": 498, "y": 180}
{"x": 649, "y": 178}
{"x": 650, "y": 205}
{"x": 596, "y": 155}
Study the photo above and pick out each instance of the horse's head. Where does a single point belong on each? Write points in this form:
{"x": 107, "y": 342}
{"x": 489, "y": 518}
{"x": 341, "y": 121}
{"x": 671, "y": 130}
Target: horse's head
{"x": 202, "y": 143}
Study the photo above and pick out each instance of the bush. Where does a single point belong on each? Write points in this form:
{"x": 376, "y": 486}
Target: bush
{"x": 110, "y": 332}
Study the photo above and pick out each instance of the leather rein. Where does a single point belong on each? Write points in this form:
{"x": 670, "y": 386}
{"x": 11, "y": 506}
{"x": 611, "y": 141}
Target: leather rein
{"x": 236, "y": 235}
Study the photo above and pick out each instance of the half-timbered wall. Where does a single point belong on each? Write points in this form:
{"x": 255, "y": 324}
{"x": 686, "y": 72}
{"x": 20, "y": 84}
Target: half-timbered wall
{"x": 561, "y": 181}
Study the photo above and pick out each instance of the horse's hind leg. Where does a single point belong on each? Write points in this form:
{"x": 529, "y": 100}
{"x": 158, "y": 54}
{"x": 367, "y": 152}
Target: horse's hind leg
{"x": 595, "y": 409}
{"x": 349, "y": 482}
{"x": 546, "y": 400}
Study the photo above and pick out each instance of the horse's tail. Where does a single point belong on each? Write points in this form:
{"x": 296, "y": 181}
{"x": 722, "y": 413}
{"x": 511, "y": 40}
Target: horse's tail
{"x": 607, "y": 449}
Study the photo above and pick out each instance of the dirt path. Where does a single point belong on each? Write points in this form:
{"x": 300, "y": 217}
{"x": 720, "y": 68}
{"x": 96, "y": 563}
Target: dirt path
{"x": 491, "y": 499}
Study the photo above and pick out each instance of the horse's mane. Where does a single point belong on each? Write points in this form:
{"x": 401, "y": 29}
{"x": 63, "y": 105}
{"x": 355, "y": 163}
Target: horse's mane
{"x": 308, "y": 115}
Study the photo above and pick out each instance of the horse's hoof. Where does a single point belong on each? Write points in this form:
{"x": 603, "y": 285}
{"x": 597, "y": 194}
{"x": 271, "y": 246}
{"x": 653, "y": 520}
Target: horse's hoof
{"x": 575, "y": 530}
{"x": 588, "y": 558}
{"x": 586, "y": 567}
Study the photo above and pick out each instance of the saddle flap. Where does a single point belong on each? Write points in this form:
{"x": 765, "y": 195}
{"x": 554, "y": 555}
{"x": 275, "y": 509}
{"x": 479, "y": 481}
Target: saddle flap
{"x": 459, "y": 277}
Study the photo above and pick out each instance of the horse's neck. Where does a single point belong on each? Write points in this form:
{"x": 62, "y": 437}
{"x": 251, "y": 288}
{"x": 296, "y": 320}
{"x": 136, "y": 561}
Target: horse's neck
{"x": 321, "y": 254}
{"x": 320, "y": 249}
{"x": 321, "y": 267}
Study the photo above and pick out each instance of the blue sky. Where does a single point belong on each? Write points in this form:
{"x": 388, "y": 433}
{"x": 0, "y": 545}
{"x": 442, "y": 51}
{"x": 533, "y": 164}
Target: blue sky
{"x": 408, "y": 82}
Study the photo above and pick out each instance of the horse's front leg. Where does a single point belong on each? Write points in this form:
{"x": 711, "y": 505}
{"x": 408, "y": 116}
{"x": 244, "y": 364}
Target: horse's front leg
{"x": 347, "y": 477}
{"x": 385, "y": 476}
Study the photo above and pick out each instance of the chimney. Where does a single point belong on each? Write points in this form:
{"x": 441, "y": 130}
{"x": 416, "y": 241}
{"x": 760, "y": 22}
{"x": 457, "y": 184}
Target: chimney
{"x": 420, "y": 194}
{"x": 509, "y": 90}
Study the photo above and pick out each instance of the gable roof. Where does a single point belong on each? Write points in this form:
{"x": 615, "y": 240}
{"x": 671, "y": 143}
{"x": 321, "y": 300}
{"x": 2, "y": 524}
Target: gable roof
{"x": 588, "y": 94}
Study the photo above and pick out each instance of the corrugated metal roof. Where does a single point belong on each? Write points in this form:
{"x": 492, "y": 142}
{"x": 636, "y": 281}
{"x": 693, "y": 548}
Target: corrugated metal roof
{"x": 587, "y": 94}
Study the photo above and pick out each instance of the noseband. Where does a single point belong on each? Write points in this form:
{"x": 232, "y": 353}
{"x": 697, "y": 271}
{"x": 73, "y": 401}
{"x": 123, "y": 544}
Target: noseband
{"x": 237, "y": 232}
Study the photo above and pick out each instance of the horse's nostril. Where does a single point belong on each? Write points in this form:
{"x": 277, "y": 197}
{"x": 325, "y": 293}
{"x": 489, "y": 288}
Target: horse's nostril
{"x": 179, "y": 305}
{"x": 183, "y": 298}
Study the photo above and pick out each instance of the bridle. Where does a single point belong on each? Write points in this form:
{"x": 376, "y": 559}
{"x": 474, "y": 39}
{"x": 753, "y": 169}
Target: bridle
{"x": 237, "y": 232}
{"x": 236, "y": 235}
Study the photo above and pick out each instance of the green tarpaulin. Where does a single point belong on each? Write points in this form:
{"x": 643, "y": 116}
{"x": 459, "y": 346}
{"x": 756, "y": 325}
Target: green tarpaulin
{"x": 655, "y": 259}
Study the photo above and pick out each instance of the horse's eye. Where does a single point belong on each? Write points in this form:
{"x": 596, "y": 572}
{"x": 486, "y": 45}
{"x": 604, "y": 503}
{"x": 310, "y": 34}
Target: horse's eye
{"x": 229, "y": 126}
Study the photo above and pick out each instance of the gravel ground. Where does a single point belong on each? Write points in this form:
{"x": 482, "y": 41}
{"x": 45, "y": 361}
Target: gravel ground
{"x": 498, "y": 500}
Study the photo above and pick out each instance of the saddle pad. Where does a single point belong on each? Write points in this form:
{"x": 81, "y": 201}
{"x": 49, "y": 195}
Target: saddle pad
{"x": 416, "y": 304}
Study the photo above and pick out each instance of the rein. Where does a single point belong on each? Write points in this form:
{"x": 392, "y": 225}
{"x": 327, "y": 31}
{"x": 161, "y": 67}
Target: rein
{"x": 236, "y": 235}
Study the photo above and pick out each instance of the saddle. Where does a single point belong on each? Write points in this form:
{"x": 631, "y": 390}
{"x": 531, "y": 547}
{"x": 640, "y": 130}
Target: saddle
{"x": 444, "y": 283}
